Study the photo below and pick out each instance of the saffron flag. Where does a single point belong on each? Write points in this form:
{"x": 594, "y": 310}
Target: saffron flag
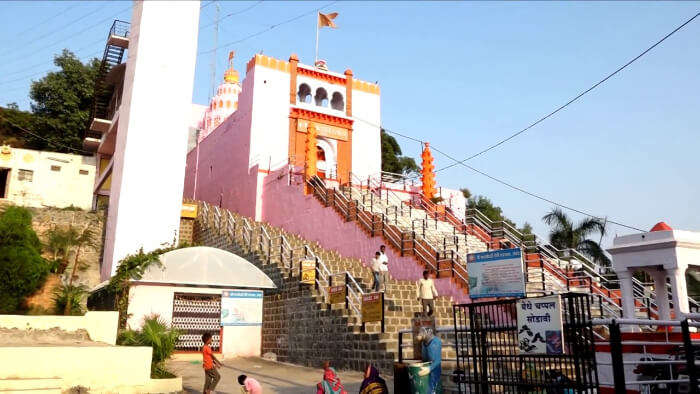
{"x": 327, "y": 19}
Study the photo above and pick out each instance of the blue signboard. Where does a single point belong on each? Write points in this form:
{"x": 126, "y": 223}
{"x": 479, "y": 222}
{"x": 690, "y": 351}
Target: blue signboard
{"x": 498, "y": 273}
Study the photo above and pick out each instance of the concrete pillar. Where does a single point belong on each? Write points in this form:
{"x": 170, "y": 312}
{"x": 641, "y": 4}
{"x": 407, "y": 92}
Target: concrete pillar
{"x": 679, "y": 292}
{"x": 625, "y": 277}
{"x": 661, "y": 294}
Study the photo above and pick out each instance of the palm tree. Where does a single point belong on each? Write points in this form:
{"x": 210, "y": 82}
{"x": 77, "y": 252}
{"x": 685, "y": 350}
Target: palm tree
{"x": 565, "y": 235}
{"x": 79, "y": 240}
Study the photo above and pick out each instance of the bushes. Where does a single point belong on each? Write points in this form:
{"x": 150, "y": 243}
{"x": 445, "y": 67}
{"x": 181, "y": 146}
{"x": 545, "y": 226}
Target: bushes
{"x": 75, "y": 294}
{"x": 22, "y": 269}
{"x": 156, "y": 334}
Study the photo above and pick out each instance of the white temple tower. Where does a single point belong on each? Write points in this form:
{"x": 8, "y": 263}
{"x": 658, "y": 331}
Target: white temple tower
{"x": 224, "y": 103}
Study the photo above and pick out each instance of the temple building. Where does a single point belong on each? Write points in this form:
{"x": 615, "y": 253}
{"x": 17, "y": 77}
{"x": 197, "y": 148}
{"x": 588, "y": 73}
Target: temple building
{"x": 262, "y": 125}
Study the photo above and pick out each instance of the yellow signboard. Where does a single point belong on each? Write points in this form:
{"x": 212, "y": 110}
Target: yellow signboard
{"x": 336, "y": 294}
{"x": 324, "y": 130}
{"x": 189, "y": 211}
{"x": 372, "y": 307}
{"x": 308, "y": 272}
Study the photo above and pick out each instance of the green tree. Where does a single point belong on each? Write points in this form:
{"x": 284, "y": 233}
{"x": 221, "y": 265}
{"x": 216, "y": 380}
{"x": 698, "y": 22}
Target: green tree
{"x": 62, "y": 103}
{"x": 564, "y": 234}
{"x": 491, "y": 211}
{"x": 526, "y": 229}
{"x": 392, "y": 161}
{"x": 155, "y": 333}
{"x": 12, "y": 121}
{"x": 79, "y": 240}
{"x": 466, "y": 192}
{"x": 22, "y": 269}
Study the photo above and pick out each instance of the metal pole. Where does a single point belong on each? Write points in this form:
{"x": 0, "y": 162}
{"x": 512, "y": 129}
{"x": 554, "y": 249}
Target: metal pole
{"x": 616, "y": 357}
{"x": 689, "y": 357}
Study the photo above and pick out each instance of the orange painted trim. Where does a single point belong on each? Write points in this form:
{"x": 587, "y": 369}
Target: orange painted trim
{"x": 348, "y": 92}
{"x": 320, "y": 75}
{"x": 293, "y": 62}
{"x": 269, "y": 62}
{"x": 365, "y": 86}
{"x": 331, "y": 120}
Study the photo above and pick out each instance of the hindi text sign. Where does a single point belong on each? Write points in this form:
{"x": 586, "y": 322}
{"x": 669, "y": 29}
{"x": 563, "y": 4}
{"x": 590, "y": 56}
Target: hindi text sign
{"x": 372, "y": 307}
{"x": 540, "y": 329}
{"x": 337, "y": 294}
{"x": 324, "y": 130}
{"x": 498, "y": 273}
{"x": 241, "y": 307}
{"x": 308, "y": 272}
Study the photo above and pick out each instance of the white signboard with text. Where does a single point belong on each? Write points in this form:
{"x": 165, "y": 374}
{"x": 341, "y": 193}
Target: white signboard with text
{"x": 498, "y": 273}
{"x": 241, "y": 308}
{"x": 540, "y": 329}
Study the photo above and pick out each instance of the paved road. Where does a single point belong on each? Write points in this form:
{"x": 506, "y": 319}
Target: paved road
{"x": 276, "y": 378}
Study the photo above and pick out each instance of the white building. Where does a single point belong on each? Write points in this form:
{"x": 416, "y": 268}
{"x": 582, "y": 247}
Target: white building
{"x": 46, "y": 179}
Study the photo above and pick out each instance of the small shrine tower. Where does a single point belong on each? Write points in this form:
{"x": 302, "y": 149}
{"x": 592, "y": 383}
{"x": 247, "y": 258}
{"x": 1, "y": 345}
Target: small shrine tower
{"x": 224, "y": 103}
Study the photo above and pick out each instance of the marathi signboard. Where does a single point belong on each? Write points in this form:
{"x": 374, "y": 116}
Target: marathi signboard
{"x": 308, "y": 272}
{"x": 540, "y": 329}
{"x": 241, "y": 308}
{"x": 498, "y": 273}
{"x": 324, "y": 130}
{"x": 188, "y": 211}
{"x": 416, "y": 324}
{"x": 372, "y": 307}
{"x": 337, "y": 294}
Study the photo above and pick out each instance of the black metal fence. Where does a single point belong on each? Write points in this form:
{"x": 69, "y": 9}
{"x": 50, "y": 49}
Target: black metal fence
{"x": 489, "y": 360}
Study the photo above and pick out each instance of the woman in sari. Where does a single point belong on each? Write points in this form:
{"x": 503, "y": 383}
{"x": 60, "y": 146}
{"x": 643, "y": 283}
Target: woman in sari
{"x": 373, "y": 384}
{"x": 330, "y": 383}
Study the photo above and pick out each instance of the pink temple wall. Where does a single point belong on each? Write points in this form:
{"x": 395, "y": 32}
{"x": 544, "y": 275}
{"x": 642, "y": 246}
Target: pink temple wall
{"x": 286, "y": 206}
{"x": 223, "y": 175}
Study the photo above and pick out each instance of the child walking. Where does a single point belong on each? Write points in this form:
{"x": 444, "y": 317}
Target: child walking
{"x": 210, "y": 364}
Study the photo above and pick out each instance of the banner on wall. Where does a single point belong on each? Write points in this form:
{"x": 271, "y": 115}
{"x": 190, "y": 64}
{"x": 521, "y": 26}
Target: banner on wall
{"x": 540, "y": 329}
{"x": 241, "y": 307}
{"x": 308, "y": 272}
{"x": 498, "y": 273}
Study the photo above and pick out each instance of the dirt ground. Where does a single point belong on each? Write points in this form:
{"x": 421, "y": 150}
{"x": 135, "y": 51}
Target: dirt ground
{"x": 276, "y": 378}
{"x": 10, "y": 337}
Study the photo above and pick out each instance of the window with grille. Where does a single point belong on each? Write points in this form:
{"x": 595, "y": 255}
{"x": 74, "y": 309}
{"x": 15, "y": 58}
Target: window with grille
{"x": 55, "y": 168}
{"x": 83, "y": 172}
{"x": 25, "y": 175}
{"x": 195, "y": 314}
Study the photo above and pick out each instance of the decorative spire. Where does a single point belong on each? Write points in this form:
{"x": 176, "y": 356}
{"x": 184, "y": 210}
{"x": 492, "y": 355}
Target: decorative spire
{"x": 427, "y": 172}
{"x": 310, "y": 169}
{"x": 231, "y": 75}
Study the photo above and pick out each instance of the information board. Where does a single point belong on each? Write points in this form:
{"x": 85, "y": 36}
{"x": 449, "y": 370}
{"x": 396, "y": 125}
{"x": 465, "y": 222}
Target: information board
{"x": 540, "y": 329}
{"x": 372, "y": 307}
{"x": 498, "y": 273}
{"x": 241, "y": 308}
{"x": 308, "y": 272}
{"x": 336, "y": 294}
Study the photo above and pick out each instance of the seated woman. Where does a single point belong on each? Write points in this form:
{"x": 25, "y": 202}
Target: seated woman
{"x": 331, "y": 382}
{"x": 373, "y": 384}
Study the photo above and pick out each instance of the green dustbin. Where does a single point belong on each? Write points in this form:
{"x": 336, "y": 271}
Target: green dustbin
{"x": 419, "y": 384}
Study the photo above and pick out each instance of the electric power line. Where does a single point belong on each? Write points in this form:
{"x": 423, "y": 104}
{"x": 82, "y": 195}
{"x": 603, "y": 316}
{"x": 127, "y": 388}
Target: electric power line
{"x": 457, "y": 162}
{"x": 234, "y": 13}
{"x": 45, "y": 21}
{"x": 43, "y": 138}
{"x": 501, "y": 142}
{"x": 74, "y": 34}
{"x": 22, "y": 78}
{"x": 268, "y": 28}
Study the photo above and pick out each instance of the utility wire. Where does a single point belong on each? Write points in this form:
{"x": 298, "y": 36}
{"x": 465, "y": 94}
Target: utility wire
{"x": 27, "y": 30}
{"x": 502, "y": 182}
{"x": 233, "y": 14}
{"x": 503, "y": 141}
{"x": 74, "y": 34}
{"x": 40, "y": 137}
{"x": 267, "y": 29}
{"x": 101, "y": 40}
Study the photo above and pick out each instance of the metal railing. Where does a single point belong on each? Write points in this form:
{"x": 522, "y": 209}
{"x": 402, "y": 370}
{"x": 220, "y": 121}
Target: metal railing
{"x": 665, "y": 359}
{"x": 255, "y": 238}
{"x": 120, "y": 28}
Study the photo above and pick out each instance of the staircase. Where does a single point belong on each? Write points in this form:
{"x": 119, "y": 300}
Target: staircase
{"x": 300, "y": 325}
{"x": 117, "y": 42}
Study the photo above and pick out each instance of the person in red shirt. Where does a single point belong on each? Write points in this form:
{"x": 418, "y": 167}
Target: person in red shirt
{"x": 210, "y": 364}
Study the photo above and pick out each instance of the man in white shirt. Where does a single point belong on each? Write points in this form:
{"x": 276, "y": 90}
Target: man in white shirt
{"x": 384, "y": 267}
{"x": 426, "y": 294}
{"x": 376, "y": 271}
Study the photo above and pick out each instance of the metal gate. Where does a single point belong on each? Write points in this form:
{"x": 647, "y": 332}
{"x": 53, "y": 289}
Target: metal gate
{"x": 195, "y": 314}
{"x": 488, "y": 359}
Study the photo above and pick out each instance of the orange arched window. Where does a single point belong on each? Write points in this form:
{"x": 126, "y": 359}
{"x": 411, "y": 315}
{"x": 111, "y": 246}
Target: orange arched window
{"x": 228, "y": 103}
{"x": 221, "y": 103}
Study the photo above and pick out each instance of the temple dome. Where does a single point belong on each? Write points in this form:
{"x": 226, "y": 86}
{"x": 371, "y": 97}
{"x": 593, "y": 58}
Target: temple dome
{"x": 661, "y": 226}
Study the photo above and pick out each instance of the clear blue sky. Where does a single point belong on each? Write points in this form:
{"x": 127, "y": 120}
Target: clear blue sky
{"x": 462, "y": 76}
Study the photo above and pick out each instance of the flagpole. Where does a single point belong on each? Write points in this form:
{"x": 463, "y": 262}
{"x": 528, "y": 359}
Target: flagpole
{"x": 316, "y": 57}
